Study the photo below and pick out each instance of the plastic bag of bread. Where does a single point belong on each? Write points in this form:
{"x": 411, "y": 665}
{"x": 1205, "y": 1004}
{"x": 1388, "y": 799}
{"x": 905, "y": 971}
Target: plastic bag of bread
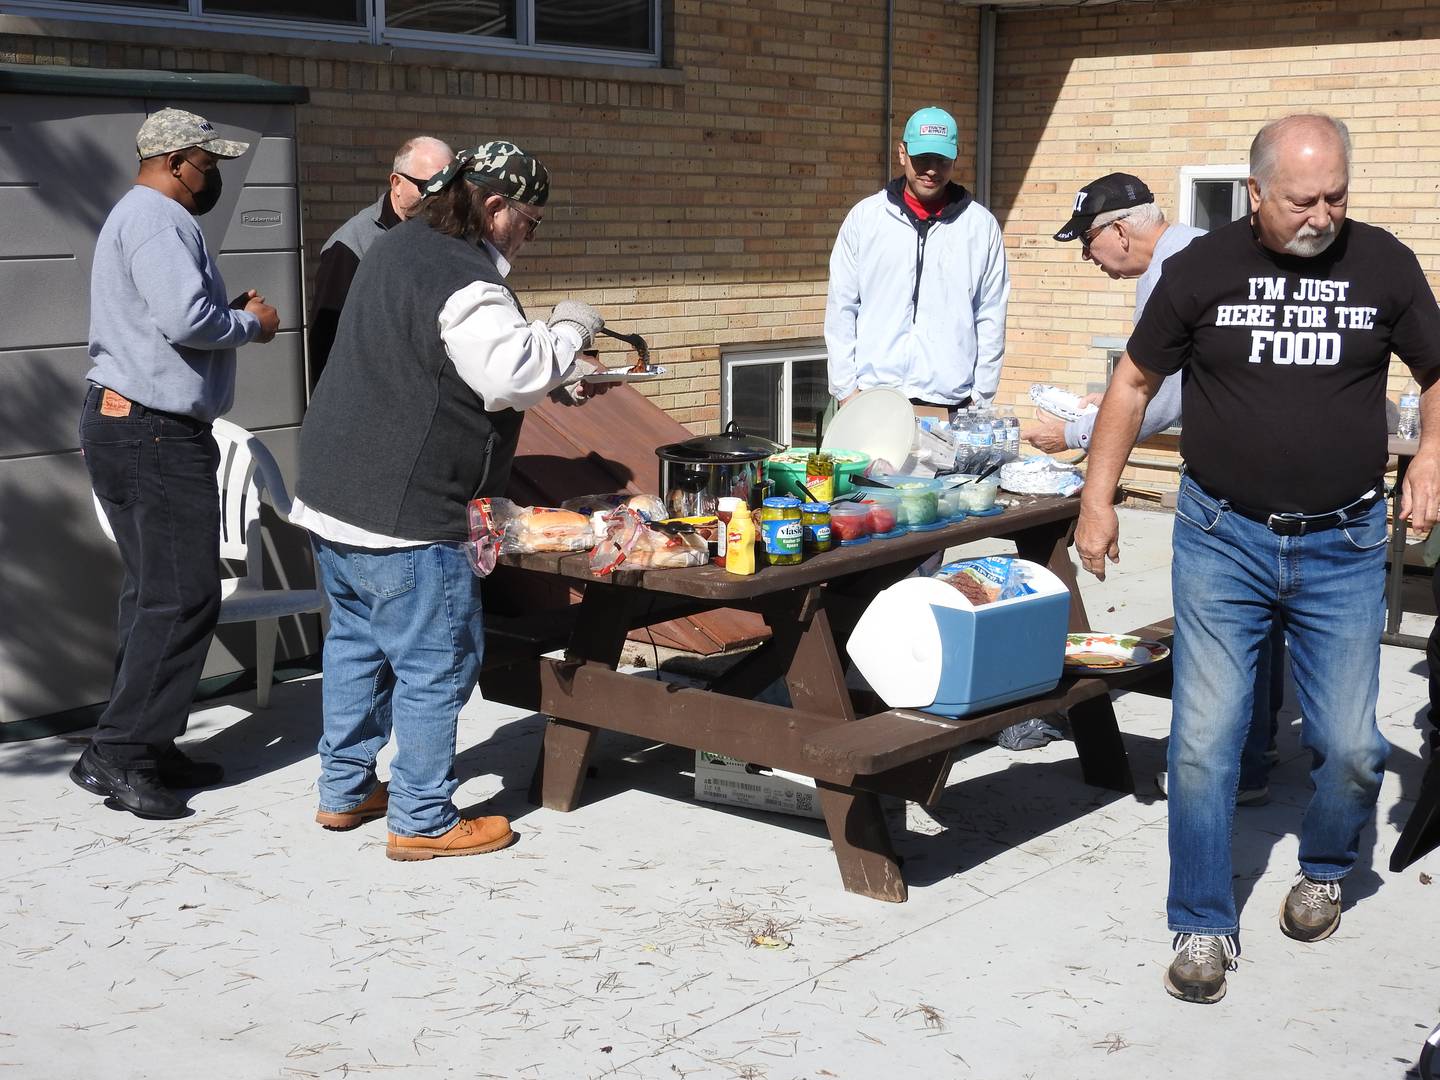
{"x": 985, "y": 580}
{"x": 635, "y": 543}
{"x": 530, "y": 529}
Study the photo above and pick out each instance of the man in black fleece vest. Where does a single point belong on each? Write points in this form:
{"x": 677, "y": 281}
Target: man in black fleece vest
{"x": 418, "y": 412}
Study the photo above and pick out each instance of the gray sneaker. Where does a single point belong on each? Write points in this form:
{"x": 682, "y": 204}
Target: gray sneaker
{"x": 1244, "y": 797}
{"x": 1311, "y": 911}
{"x": 1198, "y": 971}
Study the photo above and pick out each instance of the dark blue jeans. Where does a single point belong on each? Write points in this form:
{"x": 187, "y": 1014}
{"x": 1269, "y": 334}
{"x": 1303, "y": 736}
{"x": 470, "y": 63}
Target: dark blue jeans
{"x": 155, "y": 476}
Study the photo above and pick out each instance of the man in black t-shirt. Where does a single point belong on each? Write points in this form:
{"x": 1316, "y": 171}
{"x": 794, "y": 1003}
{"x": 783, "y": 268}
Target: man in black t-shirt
{"x": 1282, "y": 327}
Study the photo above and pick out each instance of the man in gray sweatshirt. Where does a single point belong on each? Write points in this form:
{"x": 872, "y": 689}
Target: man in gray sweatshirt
{"x": 162, "y": 337}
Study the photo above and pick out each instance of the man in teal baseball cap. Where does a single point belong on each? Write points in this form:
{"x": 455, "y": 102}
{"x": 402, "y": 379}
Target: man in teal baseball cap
{"x": 931, "y": 131}
{"x": 918, "y": 283}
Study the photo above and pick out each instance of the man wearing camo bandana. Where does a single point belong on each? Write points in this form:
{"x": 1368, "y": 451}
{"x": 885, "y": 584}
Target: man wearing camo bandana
{"x": 433, "y": 365}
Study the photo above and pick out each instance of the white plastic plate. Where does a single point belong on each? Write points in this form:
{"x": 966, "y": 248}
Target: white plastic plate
{"x": 1058, "y": 402}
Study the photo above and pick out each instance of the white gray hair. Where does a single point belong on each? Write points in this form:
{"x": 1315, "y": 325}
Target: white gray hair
{"x": 1142, "y": 217}
{"x": 406, "y": 154}
{"x": 1263, "y": 148}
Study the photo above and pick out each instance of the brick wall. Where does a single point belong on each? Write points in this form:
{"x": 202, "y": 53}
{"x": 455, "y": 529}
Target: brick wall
{"x": 1149, "y": 88}
{"x": 696, "y": 206}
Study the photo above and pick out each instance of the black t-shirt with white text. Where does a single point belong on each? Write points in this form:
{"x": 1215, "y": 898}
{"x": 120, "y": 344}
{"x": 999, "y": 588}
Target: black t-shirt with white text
{"x": 1285, "y": 360}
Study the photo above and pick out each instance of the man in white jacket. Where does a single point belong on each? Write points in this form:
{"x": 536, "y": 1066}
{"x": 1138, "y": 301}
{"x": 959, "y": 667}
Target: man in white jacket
{"x": 918, "y": 283}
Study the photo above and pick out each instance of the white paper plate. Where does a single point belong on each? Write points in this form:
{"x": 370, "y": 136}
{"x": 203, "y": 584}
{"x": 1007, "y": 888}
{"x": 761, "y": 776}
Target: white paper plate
{"x": 879, "y": 422}
{"x": 1061, "y": 403}
{"x": 615, "y": 375}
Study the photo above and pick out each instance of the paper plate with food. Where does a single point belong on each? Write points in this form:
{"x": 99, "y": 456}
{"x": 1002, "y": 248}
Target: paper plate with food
{"x": 1061, "y": 403}
{"x": 1111, "y": 652}
{"x": 638, "y": 373}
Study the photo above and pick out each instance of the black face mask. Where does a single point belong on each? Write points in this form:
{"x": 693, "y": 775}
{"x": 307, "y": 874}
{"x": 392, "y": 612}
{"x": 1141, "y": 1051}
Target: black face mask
{"x": 209, "y": 193}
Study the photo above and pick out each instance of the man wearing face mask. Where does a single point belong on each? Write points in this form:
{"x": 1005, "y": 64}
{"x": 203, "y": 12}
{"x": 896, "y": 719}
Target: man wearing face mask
{"x": 434, "y": 365}
{"x": 162, "y": 337}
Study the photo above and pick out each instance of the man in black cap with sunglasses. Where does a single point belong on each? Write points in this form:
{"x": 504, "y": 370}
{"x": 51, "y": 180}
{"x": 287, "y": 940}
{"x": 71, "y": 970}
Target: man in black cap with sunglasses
{"x": 415, "y": 163}
{"x": 433, "y": 365}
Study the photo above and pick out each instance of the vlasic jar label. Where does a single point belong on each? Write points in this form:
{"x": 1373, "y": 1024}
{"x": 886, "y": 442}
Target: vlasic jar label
{"x": 783, "y": 537}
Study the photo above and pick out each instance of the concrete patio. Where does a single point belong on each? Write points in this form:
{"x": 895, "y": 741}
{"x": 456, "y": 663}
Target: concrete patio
{"x": 245, "y": 942}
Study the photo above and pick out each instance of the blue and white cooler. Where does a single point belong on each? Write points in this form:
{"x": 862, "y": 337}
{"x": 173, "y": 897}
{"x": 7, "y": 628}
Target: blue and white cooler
{"x": 922, "y": 644}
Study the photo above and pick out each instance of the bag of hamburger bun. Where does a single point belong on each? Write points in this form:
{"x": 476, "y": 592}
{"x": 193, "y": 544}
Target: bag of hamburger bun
{"x": 530, "y": 529}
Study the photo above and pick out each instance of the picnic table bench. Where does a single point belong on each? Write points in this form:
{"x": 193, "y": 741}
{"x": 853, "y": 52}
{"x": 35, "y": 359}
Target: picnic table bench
{"x": 810, "y": 609}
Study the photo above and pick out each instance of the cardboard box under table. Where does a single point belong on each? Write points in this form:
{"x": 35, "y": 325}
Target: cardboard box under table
{"x": 727, "y": 780}
{"x": 922, "y": 645}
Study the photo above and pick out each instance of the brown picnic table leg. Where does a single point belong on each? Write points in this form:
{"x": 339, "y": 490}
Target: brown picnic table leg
{"x": 1103, "y": 760}
{"x": 855, "y": 820}
{"x": 598, "y": 638}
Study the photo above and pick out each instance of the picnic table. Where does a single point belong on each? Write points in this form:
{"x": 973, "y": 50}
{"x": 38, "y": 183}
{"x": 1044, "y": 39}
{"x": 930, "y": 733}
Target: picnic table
{"x": 811, "y": 609}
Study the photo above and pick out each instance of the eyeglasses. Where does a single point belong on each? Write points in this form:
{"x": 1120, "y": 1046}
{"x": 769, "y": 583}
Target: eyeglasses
{"x": 531, "y": 218}
{"x": 1089, "y": 238}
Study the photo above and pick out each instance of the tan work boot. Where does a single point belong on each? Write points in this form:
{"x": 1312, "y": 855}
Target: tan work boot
{"x": 375, "y": 805}
{"x": 1311, "y": 911}
{"x": 470, "y": 836}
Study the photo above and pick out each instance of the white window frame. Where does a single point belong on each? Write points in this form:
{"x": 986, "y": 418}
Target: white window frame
{"x": 373, "y": 32}
{"x": 761, "y": 356}
{"x": 1191, "y": 173}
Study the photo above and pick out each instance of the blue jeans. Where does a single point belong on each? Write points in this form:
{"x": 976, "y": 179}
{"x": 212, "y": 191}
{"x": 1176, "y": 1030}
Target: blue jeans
{"x": 154, "y": 474}
{"x": 1255, "y": 764}
{"x": 1232, "y": 577}
{"x": 403, "y": 655}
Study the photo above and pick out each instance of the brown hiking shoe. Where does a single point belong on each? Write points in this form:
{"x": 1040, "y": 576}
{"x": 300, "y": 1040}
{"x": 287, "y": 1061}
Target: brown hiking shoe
{"x": 470, "y": 836}
{"x": 1311, "y": 911}
{"x": 1198, "y": 971}
{"x": 375, "y": 805}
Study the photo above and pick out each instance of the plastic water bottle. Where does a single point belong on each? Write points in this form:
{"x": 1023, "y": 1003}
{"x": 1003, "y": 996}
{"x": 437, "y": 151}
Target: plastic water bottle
{"x": 1012, "y": 434}
{"x": 1409, "y": 425}
{"x": 982, "y": 441}
{"x": 960, "y": 433}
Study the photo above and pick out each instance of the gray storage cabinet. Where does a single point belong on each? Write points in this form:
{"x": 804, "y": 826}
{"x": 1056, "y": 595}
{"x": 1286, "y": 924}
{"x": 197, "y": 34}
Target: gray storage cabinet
{"x": 67, "y": 154}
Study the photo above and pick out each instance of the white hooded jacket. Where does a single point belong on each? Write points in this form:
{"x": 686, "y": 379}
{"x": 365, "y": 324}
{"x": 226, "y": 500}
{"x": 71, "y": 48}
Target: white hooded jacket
{"x": 918, "y": 306}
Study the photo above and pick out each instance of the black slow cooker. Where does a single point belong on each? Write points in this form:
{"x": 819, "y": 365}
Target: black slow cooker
{"x": 698, "y": 472}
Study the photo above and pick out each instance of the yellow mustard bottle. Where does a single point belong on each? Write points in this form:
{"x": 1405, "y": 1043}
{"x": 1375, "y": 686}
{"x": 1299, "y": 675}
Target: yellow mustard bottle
{"x": 740, "y": 542}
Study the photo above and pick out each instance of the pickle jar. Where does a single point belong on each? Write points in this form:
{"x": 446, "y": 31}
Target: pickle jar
{"x": 815, "y": 524}
{"x": 782, "y": 531}
{"x": 820, "y": 476}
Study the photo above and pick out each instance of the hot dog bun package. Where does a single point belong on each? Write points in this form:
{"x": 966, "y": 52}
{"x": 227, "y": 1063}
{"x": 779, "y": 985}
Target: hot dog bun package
{"x": 635, "y": 543}
{"x": 530, "y": 529}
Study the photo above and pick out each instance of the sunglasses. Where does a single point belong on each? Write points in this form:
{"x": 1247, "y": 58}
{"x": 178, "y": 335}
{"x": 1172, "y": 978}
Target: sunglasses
{"x": 419, "y": 184}
{"x": 1089, "y": 238}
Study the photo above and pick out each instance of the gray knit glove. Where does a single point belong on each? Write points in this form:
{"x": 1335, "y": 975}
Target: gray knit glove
{"x": 581, "y": 315}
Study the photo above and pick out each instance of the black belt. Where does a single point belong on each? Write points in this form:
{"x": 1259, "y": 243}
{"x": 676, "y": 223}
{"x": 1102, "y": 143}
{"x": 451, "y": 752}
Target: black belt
{"x": 1300, "y": 524}
{"x": 963, "y": 403}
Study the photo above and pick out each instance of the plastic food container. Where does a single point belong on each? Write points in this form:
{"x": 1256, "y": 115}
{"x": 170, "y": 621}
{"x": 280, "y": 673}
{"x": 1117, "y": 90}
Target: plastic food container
{"x": 976, "y": 495}
{"x": 850, "y": 523}
{"x": 920, "y": 500}
{"x": 887, "y": 514}
{"x": 787, "y": 469}
{"x": 951, "y": 507}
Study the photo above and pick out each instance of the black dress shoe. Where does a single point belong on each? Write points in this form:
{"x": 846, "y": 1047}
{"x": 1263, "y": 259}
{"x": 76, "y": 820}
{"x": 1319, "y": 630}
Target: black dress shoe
{"x": 178, "y": 770}
{"x": 136, "y": 790}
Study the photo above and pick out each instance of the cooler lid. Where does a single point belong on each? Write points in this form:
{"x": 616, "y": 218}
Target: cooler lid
{"x": 879, "y": 422}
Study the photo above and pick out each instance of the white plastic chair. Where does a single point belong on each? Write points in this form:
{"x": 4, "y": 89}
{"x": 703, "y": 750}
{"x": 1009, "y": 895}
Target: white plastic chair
{"x": 246, "y": 470}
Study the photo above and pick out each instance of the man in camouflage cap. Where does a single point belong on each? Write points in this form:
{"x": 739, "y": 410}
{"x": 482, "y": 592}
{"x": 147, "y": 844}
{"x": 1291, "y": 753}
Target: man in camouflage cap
{"x": 163, "y": 334}
{"x": 433, "y": 365}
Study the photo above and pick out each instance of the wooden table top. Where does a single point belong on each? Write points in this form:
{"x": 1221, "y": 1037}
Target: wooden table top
{"x": 714, "y": 582}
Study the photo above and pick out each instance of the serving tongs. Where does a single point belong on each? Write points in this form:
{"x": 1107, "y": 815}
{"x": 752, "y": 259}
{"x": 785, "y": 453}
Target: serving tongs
{"x": 635, "y": 341}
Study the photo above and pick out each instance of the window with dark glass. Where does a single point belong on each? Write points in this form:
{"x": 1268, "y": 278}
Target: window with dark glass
{"x": 470, "y": 18}
{"x": 595, "y": 24}
{"x": 155, "y": 5}
{"x": 350, "y": 12}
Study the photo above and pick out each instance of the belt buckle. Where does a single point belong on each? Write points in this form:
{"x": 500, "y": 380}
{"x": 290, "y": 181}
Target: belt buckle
{"x": 1286, "y": 524}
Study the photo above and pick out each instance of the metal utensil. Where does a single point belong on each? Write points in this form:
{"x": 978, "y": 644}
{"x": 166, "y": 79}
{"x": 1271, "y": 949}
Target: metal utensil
{"x": 635, "y": 341}
{"x": 982, "y": 474}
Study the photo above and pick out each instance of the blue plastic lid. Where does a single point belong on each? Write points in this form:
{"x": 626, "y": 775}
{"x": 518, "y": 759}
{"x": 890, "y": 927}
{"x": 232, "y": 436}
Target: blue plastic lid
{"x": 783, "y": 502}
{"x": 815, "y": 508}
